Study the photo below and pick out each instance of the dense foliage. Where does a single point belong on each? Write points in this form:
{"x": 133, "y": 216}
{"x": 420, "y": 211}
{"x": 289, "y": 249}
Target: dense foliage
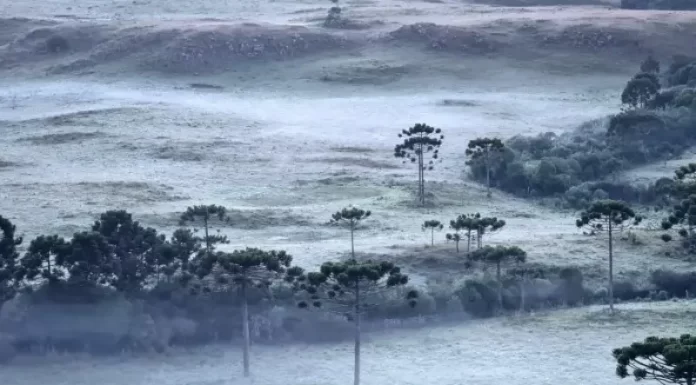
{"x": 582, "y": 165}
{"x": 676, "y": 5}
{"x": 665, "y": 360}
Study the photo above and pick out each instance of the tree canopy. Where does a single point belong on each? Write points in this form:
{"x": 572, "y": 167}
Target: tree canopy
{"x": 665, "y": 360}
{"x": 9, "y": 259}
{"x": 205, "y": 213}
{"x": 481, "y": 149}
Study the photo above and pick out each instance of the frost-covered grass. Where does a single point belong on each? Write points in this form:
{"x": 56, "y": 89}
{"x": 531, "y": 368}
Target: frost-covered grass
{"x": 571, "y": 346}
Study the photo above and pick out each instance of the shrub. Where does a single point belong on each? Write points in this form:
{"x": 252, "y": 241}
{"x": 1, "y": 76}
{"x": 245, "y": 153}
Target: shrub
{"x": 57, "y": 44}
{"x": 478, "y": 298}
{"x": 571, "y": 288}
{"x": 626, "y": 291}
{"x": 673, "y": 283}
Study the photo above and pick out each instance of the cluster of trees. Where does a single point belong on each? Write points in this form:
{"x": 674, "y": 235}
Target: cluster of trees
{"x": 579, "y": 167}
{"x": 675, "y": 5}
{"x": 121, "y": 254}
{"x": 473, "y": 227}
{"x": 682, "y": 217}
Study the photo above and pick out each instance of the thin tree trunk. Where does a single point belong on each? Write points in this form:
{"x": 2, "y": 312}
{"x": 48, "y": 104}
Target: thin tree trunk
{"x": 611, "y": 268}
{"x": 468, "y": 242}
{"x": 500, "y": 285}
{"x": 352, "y": 239}
{"x": 488, "y": 176}
{"x": 523, "y": 293}
{"x": 245, "y": 328}
{"x": 422, "y": 177}
{"x": 207, "y": 240}
{"x": 456, "y": 242}
{"x": 432, "y": 237}
{"x": 356, "y": 372}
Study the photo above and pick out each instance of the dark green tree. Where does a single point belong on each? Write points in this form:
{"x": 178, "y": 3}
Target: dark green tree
{"x": 421, "y": 146}
{"x": 650, "y": 77}
{"x": 245, "y": 270}
{"x": 498, "y": 256}
{"x": 432, "y": 225}
{"x": 206, "y": 214}
{"x": 665, "y": 360}
{"x": 351, "y": 217}
{"x": 608, "y": 216}
{"x": 9, "y": 259}
{"x": 487, "y": 225}
{"x": 90, "y": 259}
{"x": 639, "y": 92}
{"x": 40, "y": 260}
{"x": 469, "y": 223}
{"x": 186, "y": 246}
{"x": 141, "y": 252}
{"x": 684, "y": 216}
{"x": 455, "y": 237}
{"x": 333, "y": 18}
{"x": 482, "y": 149}
{"x": 346, "y": 286}
{"x": 650, "y": 65}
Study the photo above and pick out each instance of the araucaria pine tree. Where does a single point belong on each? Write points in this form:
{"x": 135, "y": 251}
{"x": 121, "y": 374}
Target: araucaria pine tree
{"x": 245, "y": 270}
{"x": 455, "y": 237}
{"x": 483, "y": 149}
{"x": 498, "y": 256}
{"x": 42, "y": 259}
{"x": 664, "y": 360}
{"x": 421, "y": 146}
{"x": 351, "y": 217}
{"x": 9, "y": 259}
{"x": 608, "y": 216}
{"x": 346, "y": 286}
{"x": 486, "y": 226}
{"x": 206, "y": 213}
{"x": 465, "y": 225}
{"x": 432, "y": 225}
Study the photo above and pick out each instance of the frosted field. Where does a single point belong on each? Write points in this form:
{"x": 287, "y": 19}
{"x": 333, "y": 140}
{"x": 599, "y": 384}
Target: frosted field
{"x": 286, "y": 143}
{"x": 285, "y": 160}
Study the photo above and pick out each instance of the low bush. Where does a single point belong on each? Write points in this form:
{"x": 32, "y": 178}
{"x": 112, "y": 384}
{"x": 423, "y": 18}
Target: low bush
{"x": 675, "y": 284}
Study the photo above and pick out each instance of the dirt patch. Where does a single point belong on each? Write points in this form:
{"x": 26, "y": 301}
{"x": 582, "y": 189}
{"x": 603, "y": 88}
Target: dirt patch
{"x": 177, "y": 154}
{"x": 86, "y": 118}
{"x": 206, "y": 86}
{"x": 446, "y": 38}
{"x": 133, "y": 191}
{"x": 372, "y": 72}
{"x": 4, "y": 164}
{"x": 63, "y": 138}
{"x": 352, "y": 150}
{"x": 458, "y": 103}
{"x": 202, "y": 47}
{"x": 591, "y": 38}
{"x": 358, "y": 162}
